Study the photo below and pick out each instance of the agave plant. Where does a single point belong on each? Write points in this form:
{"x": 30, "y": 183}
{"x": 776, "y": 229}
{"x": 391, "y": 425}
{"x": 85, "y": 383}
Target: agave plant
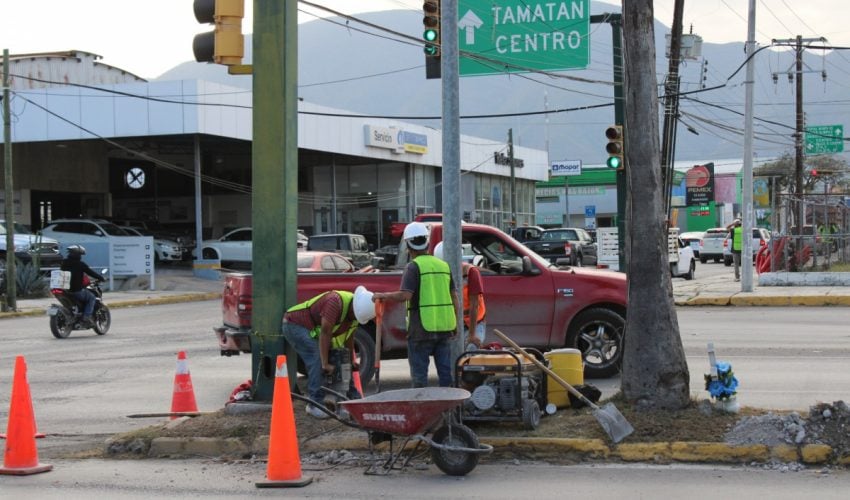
{"x": 30, "y": 281}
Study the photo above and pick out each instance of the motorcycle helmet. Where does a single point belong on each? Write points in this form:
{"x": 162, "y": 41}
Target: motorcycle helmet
{"x": 416, "y": 235}
{"x": 76, "y": 250}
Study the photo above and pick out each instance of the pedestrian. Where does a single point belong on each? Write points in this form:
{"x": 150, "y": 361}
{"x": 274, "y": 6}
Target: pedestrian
{"x": 474, "y": 310}
{"x": 736, "y": 244}
{"x": 326, "y": 321}
{"x": 80, "y": 272}
{"x": 431, "y": 297}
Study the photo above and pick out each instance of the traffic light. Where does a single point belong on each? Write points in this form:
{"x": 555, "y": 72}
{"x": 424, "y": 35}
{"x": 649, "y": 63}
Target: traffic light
{"x": 614, "y": 133}
{"x": 431, "y": 35}
{"x": 225, "y": 44}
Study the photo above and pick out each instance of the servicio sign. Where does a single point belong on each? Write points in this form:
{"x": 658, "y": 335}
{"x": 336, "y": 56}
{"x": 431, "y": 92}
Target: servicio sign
{"x": 523, "y": 35}
{"x": 566, "y": 167}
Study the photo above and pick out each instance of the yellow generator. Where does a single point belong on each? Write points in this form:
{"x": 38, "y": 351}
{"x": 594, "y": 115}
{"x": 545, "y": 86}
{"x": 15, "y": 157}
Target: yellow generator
{"x": 505, "y": 386}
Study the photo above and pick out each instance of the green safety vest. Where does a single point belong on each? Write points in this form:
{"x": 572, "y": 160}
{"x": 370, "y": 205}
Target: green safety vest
{"x": 436, "y": 310}
{"x": 737, "y": 238}
{"x": 338, "y": 341}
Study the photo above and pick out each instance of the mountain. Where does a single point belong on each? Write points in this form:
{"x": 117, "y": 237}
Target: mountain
{"x": 375, "y": 73}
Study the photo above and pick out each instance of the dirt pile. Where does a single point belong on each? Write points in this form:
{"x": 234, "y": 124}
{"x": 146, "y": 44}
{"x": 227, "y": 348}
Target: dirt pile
{"x": 830, "y": 424}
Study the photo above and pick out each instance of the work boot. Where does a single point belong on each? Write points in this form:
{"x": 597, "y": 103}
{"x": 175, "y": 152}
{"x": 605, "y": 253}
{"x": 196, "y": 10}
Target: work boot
{"x": 87, "y": 322}
{"x": 315, "y": 412}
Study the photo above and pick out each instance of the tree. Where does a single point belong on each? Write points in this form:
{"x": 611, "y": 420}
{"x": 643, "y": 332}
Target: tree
{"x": 830, "y": 169}
{"x": 655, "y": 373}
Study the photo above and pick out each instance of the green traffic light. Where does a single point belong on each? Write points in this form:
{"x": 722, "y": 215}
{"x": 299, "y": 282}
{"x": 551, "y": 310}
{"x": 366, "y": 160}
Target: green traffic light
{"x": 430, "y": 50}
{"x": 430, "y": 35}
{"x": 614, "y": 162}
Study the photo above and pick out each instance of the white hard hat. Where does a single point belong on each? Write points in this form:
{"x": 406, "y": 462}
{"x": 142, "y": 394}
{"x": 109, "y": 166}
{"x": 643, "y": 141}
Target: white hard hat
{"x": 416, "y": 231}
{"x": 364, "y": 308}
{"x": 438, "y": 251}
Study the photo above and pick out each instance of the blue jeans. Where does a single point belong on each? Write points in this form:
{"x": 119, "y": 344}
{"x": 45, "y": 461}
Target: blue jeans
{"x": 308, "y": 349}
{"x": 87, "y": 299}
{"x": 418, "y": 353}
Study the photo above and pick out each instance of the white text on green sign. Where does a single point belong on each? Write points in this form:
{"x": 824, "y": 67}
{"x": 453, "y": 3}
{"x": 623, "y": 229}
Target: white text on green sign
{"x": 513, "y": 36}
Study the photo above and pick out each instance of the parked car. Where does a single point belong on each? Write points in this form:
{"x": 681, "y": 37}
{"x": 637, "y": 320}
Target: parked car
{"x": 165, "y": 250}
{"x": 302, "y": 240}
{"x": 711, "y": 245}
{"x": 327, "y": 262}
{"x": 686, "y": 266}
{"x": 29, "y": 246}
{"x": 352, "y": 246}
{"x": 234, "y": 246}
{"x": 761, "y": 237}
{"x": 693, "y": 239}
{"x": 70, "y": 231}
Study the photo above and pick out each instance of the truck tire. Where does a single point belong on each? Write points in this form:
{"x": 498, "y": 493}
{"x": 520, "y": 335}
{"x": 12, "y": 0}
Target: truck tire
{"x": 364, "y": 351}
{"x": 598, "y": 334}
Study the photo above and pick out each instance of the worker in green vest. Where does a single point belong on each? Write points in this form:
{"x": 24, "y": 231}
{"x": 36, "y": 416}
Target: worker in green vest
{"x": 326, "y": 321}
{"x": 431, "y": 297}
{"x": 736, "y": 245}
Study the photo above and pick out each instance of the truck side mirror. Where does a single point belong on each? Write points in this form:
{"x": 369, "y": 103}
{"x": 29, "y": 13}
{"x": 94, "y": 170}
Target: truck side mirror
{"x": 527, "y": 268}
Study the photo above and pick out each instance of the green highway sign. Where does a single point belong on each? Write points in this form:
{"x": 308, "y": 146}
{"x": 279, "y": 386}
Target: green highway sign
{"x": 822, "y": 139}
{"x": 516, "y": 36}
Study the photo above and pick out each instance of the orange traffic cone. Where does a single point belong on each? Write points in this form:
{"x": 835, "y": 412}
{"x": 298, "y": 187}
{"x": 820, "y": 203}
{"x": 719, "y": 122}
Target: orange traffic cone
{"x": 21, "y": 456}
{"x": 183, "y": 399}
{"x": 357, "y": 384}
{"x": 284, "y": 465}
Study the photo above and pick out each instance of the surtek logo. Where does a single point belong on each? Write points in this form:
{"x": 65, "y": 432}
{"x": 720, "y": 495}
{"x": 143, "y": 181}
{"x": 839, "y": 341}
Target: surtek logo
{"x": 384, "y": 417}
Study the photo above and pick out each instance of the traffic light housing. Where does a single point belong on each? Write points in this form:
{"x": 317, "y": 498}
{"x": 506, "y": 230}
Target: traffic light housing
{"x": 225, "y": 44}
{"x": 431, "y": 35}
{"x": 614, "y": 148}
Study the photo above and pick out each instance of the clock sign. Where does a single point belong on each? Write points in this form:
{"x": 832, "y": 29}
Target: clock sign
{"x": 135, "y": 178}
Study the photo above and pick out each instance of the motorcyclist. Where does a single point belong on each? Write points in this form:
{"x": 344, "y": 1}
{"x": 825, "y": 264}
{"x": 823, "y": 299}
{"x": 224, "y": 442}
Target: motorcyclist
{"x": 78, "y": 269}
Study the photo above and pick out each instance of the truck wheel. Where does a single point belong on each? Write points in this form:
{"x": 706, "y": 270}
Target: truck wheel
{"x": 702, "y": 260}
{"x": 579, "y": 260}
{"x": 598, "y": 334}
{"x": 364, "y": 352}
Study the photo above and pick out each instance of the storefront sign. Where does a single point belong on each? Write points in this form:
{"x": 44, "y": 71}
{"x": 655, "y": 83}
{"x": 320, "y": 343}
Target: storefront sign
{"x": 395, "y": 139}
{"x": 699, "y": 185}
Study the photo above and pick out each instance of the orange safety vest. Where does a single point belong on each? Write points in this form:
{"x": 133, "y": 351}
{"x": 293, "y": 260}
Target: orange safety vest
{"x": 466, "y": 303}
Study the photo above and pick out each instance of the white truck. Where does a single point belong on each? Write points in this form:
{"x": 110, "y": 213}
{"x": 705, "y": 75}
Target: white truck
{"x": 681, "y": 260}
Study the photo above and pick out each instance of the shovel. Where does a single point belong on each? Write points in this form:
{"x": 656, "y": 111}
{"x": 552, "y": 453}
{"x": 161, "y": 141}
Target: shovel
{"x": 608, "y": 416}
{"x": 379, "y": 313}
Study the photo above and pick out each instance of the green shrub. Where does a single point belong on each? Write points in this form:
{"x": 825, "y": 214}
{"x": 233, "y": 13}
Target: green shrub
{"x": 31, "y": 283}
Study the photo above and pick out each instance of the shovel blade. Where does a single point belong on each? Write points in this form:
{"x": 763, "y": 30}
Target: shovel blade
{"x": 614, "y": 423}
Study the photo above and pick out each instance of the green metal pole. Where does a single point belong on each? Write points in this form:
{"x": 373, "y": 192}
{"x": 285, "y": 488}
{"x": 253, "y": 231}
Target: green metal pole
{"x": 11, "y": 290}
{"x": 275, "y": 186}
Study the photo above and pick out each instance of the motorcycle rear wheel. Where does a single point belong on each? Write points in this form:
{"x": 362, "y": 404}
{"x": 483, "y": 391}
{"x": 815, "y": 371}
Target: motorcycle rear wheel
{"x": 61, "y": 325}
{"x": 102, "y": 320}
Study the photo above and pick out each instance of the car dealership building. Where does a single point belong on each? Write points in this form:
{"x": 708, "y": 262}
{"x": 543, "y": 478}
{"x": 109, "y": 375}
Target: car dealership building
{"x": 92, "y": 140}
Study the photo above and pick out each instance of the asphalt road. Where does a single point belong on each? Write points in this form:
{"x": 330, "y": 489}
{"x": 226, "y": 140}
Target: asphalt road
{"x": 84, "y": 387}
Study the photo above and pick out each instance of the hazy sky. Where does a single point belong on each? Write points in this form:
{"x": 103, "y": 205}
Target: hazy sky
{"x": 148, "y": 38}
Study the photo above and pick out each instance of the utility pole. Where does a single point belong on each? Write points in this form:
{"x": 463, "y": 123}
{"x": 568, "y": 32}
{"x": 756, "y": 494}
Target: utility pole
{"x": 747, "y": 187}
{"x": 798, "y": 45}
{"x": 11, "y": 291}
{"x": 671, "y": 108}
{"x": 449, "y": 67}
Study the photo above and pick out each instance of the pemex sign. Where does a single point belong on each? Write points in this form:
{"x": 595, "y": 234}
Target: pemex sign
{"x": 516, "y": 36}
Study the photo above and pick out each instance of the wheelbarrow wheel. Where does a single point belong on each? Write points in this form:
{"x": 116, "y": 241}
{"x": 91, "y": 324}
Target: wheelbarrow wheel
{"x": 455, "y": 463}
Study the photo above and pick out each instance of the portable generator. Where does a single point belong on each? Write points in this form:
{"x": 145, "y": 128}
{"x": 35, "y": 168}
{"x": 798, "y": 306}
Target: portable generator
{"x": 505, "y": 385}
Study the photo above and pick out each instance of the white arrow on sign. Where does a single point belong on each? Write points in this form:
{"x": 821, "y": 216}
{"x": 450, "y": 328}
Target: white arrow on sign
{"x": 469, "y": 23}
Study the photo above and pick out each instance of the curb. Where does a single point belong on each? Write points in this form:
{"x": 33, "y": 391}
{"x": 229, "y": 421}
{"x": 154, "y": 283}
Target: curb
{"x": 748, "y": 300}
{"x": 147, "y": 301}
{"x": 538, "y": 448}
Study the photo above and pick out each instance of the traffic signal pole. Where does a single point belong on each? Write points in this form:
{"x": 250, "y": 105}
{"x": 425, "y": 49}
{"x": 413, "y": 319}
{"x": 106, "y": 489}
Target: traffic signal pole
{"x": 275, "y": 187}
{"x": 615, "y": 20}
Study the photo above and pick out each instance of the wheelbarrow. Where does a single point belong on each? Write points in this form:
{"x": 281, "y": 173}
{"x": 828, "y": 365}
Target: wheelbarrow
{"x": 413, "y": 414}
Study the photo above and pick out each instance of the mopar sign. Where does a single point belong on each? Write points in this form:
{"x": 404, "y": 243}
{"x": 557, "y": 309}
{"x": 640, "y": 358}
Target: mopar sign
{"x": 566, "y": 167}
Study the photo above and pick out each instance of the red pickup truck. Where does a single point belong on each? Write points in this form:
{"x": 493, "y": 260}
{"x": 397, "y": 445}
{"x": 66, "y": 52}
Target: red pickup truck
{"x": 397, "y": 228}
{"x": 527, "y": 298}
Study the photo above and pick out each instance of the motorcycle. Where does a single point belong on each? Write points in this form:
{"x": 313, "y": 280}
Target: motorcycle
{"x": 67, "y": 316}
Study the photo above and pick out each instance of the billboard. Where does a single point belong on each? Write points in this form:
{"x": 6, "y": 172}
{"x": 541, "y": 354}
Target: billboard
{"x": 699, "y": 185}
